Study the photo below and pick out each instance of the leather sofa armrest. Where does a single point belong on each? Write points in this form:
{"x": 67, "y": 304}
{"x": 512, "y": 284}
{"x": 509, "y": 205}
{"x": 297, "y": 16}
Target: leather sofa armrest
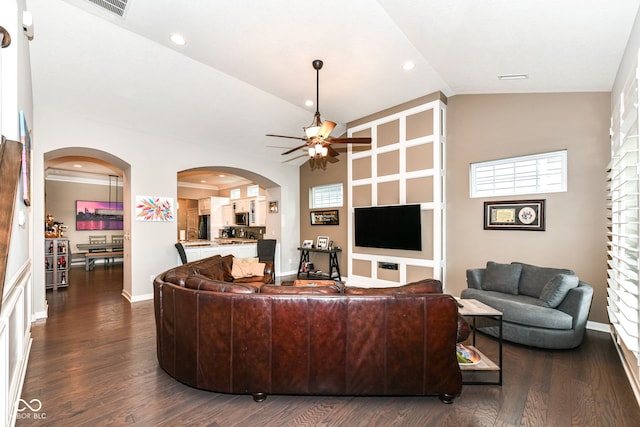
{"x": 474, "y": 277}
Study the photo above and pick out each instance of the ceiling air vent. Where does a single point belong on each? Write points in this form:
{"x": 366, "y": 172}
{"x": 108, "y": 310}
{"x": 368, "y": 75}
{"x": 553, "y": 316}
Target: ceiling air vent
{"x": 114, "y": 6}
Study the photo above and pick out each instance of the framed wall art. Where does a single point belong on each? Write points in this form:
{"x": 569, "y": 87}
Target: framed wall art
{"x": 515, "y": 215}
{"x": 94, "y": 215}
{"x": 154, "y": 208}
{"x": 329, "y": 217}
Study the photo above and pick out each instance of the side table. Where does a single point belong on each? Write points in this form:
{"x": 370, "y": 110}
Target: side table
{"x": 473, "y": 309}
{"x": 333, "y": 262}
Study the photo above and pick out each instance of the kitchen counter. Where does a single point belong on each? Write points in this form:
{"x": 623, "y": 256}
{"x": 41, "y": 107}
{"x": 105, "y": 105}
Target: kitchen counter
{"x": 217, "y": 242}
{"x": 240, "y": 248}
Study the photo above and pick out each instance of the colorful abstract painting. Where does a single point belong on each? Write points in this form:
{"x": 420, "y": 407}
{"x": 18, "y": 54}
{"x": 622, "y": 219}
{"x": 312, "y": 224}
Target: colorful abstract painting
{"x": 152, "y": 208}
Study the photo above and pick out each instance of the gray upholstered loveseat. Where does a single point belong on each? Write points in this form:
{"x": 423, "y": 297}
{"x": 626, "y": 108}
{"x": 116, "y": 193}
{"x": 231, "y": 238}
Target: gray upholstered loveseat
{"x": 542, "y": 307}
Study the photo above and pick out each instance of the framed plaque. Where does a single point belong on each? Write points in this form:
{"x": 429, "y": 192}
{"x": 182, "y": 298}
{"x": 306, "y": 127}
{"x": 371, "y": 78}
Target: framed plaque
{"x": 515, "y": 215}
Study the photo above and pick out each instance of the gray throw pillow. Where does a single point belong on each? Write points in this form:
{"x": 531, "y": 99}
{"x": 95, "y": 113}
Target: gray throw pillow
{"x": 501, "y": 277}
{"x": 557, "y": 289}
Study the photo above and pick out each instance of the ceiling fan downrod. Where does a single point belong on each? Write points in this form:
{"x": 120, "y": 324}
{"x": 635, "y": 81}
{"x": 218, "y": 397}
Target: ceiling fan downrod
{"x": 317, "y": 65}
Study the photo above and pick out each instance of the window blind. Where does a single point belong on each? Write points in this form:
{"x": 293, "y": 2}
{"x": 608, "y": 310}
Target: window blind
{"x": 326, "y": 196}
{"x": 536, "y": 173}
{"x": 624, "y": 218}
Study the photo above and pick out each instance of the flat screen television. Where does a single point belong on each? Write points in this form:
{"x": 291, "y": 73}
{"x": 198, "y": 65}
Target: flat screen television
{"x": 388, "y": 227}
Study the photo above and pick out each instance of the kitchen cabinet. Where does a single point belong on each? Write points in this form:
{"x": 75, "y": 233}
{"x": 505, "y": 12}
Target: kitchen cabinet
{"x": 228, "y": 215}
{"x": 218, "y": 220}
{"x": 259, "y": 213}
{"x": 204, "y": 206}
{"x": 242, "y": 205}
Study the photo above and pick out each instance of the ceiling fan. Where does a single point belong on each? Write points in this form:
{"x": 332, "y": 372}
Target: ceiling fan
{"x": 317, "y": 135}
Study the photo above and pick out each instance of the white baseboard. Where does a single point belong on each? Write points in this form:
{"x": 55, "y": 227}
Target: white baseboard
{"x": 597, "y": 326}
{"x": 132, "y": 299}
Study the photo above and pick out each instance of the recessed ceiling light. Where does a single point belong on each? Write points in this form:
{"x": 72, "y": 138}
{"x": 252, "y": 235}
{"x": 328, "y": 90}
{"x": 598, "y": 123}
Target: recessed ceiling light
{"x": 308, "y": 103}
{"x": 221, "y": 175}
{"x": 202, "y": 181}
{"x": 513, "y": 76}
{"x": 178, "y": 39}
{"x": 77, "y": 165}
{"x": 408, "y": 66}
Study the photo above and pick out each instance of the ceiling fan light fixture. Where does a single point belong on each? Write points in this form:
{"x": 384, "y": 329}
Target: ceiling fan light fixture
{"x": 313, "y": 129}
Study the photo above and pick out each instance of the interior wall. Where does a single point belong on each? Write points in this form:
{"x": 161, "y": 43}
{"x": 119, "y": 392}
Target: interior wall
{"x": 87, "y": 121}
{"x": 60, "y": 201}
{"x": 487, "y": 127}
{"x": 334, "y": 173}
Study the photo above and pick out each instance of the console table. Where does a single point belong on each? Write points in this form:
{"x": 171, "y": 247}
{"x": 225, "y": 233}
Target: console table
{"x": 333, "y": 261}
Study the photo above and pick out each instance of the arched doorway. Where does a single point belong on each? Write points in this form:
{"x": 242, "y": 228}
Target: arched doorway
{"x": 82, "y": 174}
{"x": 220, "y": 182}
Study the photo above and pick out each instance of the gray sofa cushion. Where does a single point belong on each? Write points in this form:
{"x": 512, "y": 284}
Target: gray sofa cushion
{"x": 534, "y": 278}
{"x": 557, "y": 288}
{"x": 522, "y": 309}
{"x": 502, "y": 277}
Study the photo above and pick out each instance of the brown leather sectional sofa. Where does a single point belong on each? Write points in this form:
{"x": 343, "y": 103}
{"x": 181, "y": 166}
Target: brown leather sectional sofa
{"x": 239, "y": 338}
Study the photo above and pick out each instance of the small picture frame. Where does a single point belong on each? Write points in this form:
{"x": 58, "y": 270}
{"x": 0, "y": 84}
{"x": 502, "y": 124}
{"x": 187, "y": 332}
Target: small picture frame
{"x": 515, "y": 215}
{"x": 322, "y": 242}
{"x": 307, "y": 244}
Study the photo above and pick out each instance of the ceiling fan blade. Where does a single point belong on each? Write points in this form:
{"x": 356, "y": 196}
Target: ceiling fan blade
{"x": 295, "y": 158}
{"x": 294, "y": 149}
{"x": 326, "y": 128}
{"x": 349, "y": 140}
{"x": 332, "y": 160}
{"x": 292, "y": 137}
{"x": 331, "y": 151}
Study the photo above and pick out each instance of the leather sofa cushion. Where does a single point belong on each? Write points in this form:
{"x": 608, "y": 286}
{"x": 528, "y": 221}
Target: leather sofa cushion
{"x": 299, "y": 290}
{"x": 502, "y": 277}
{"x": 204, "y": 284}
{"x": 557, "y": 289}
{"x": 227, "y": 262}
{"x": 211, "y": 267}
{"x": 426, "y": 286}
{"x": 179, "y": 275}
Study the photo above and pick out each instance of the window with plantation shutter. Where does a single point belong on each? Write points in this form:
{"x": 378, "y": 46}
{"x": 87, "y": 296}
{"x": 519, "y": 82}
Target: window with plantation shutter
{"x": 325, "y": 196}
{"x": 536, "y": 173}
{"x": 624, "y": 217}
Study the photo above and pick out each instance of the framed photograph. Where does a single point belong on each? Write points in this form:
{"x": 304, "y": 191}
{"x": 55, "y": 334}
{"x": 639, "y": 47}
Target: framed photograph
{"x": 322, "y": 242}
{"x": 307, "y": 244}
{"x": 514, "y": 215}
{"x": 93, "y": 215}
{"x": 329, "y": 217}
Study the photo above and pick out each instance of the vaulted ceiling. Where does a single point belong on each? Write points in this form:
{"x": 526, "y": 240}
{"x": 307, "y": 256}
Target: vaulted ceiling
{"x": 250, "y": 60}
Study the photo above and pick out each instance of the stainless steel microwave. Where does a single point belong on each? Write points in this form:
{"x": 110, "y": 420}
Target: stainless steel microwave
{"x": 242, "y": 218}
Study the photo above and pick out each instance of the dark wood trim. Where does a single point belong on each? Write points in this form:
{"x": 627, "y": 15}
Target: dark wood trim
{"x": 10, "y": 160}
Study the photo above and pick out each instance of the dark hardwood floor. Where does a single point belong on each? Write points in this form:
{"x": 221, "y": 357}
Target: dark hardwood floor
{"x": 93, "y": 363}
